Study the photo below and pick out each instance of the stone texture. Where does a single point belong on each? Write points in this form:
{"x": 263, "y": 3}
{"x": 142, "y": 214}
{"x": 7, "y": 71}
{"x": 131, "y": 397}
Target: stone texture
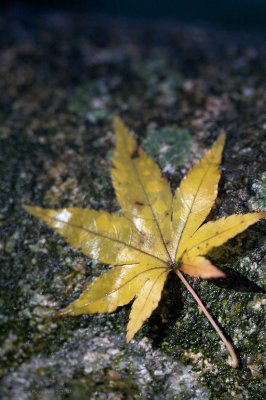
{"x": 62, "y": 79}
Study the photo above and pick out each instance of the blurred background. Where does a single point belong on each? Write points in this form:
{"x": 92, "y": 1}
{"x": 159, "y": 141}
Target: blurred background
{"x": 178, "y": 73}
{"x": 245, "y": 13}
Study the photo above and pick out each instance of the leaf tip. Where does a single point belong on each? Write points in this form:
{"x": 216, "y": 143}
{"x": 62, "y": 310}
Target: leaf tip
{"x": 117, "y": 121}
{"x": 33, "y": 210}
{"x": 64, "y": 312}
{"x": 119, "y": 125}
{"x": 222, "y": 137}
{"x": 130, "y": 335}
{"x": 26, "y": 207}
{"x": 221, "y": 274}
{"x": 219, "y": 143}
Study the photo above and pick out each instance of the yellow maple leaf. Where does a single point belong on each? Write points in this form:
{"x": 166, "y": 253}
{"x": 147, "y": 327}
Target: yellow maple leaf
{"x": 157, "y": 233}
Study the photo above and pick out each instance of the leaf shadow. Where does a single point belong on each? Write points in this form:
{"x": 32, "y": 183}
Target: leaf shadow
{"x": 167, "y": 312}
{"x": 236, "y": 281}
{"x": 171, "y": 304}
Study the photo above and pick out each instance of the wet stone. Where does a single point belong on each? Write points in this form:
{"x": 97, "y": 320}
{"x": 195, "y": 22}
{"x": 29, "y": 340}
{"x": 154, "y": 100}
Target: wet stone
{"x": 62, "y": 80}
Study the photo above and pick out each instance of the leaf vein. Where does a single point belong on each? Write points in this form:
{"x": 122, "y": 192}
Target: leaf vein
{"x": 109, "y": 238}
{"x": 152, "y": 212}
{"x": 124, "y": 284}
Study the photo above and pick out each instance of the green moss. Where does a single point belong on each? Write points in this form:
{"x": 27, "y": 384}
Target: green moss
{"x": 168, "y": 145}
{"x": 258, "y": 202}
{"x": 55, "y": 133}
{"x": 93, "y": 101}
{"x": 101, "y": 99}
{"x": 239, "y": 315}
{"x": 162, "y": 81}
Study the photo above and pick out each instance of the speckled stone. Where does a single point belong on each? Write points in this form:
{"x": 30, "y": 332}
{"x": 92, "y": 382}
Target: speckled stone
{"x": 62, "y": 79}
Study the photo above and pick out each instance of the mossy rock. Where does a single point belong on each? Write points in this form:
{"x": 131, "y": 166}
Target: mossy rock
{"x": 52, "y": 154}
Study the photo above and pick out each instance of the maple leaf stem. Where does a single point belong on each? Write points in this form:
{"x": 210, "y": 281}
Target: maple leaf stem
{"x": 230, "y": 349}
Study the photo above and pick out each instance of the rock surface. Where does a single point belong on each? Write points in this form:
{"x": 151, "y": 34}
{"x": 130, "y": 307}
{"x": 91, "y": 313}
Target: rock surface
{"x": 63, "y": 78}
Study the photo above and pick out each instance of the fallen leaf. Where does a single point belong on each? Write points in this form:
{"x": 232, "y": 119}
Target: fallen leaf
{"x": 157, "y": 233}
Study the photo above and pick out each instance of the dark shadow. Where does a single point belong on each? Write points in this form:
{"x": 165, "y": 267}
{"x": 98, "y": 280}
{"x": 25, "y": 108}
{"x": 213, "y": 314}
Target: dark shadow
{"x": 236, "y": 281}
{"x": 167, "y": 312}
{"x": 170, "y": 305}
